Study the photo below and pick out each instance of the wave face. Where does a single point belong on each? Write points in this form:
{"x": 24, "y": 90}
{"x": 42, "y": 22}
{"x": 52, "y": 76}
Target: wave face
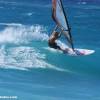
{"x": 29, "y": 69}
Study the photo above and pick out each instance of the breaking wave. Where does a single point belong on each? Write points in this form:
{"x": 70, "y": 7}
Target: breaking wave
{"x": 19, "y": 56}
{"x": 18, "y": 33}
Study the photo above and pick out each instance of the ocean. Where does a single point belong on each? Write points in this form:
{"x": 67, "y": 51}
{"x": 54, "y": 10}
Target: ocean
{"x": 30, "y": 70}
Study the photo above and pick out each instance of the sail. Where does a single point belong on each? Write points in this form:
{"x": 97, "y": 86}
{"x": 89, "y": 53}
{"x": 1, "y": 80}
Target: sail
{"x": 60, "y": 18}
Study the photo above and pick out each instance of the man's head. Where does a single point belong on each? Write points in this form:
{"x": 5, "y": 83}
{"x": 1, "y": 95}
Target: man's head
{"x": 56, "y": 34}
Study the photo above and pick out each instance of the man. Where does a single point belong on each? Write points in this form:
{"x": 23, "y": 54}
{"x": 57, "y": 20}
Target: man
{"x": 55, "y": 35}
{"x": 52, "y": 41}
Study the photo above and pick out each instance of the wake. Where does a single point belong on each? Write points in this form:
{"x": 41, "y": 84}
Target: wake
{"x": 19, "y": 56}
{"x": 17, "y": 33}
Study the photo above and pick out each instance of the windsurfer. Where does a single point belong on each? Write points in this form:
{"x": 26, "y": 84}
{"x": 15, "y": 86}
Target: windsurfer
{"x": 52, "y": 42}
{"x": 62, "y": 26}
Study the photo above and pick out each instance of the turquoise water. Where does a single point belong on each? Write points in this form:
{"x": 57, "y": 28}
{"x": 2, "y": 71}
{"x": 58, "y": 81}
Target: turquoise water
{"x": 32, "y": 71}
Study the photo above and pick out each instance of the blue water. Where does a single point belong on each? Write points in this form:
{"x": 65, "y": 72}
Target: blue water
{"x": 30, "y": 70}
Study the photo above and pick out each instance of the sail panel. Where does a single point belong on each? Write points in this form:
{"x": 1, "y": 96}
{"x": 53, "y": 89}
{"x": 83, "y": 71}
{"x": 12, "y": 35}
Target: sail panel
{"x": 60, "y": 15}
{"x": 60, "y": 18}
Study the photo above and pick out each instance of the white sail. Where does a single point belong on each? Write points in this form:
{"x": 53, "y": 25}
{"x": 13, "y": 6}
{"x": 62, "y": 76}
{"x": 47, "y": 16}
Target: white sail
{"x": 60, "y": 18}
{"x": 60, "y": 15}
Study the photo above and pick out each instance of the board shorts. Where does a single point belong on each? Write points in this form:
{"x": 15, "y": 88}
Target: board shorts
{"x": 54, "y": 45}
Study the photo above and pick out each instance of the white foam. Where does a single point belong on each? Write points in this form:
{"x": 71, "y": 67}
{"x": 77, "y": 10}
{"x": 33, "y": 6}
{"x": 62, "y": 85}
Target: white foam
{"x": 83, "y": 3}
{"x": 18, "y": 33}
{"x": 11, "y": 24}
{"x": 24, "y": 58}
{"x": 53, "y": 50}
{"x": 29, "y": 14}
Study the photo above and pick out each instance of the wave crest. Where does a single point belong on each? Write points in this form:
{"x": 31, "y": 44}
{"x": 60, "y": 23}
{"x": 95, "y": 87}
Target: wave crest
{"x": 17, "y": 33}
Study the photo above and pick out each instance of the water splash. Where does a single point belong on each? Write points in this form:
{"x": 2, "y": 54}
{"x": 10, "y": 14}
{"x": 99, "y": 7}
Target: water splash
{"x": 24, "y": 58}
{"x": 17, "y": 33}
